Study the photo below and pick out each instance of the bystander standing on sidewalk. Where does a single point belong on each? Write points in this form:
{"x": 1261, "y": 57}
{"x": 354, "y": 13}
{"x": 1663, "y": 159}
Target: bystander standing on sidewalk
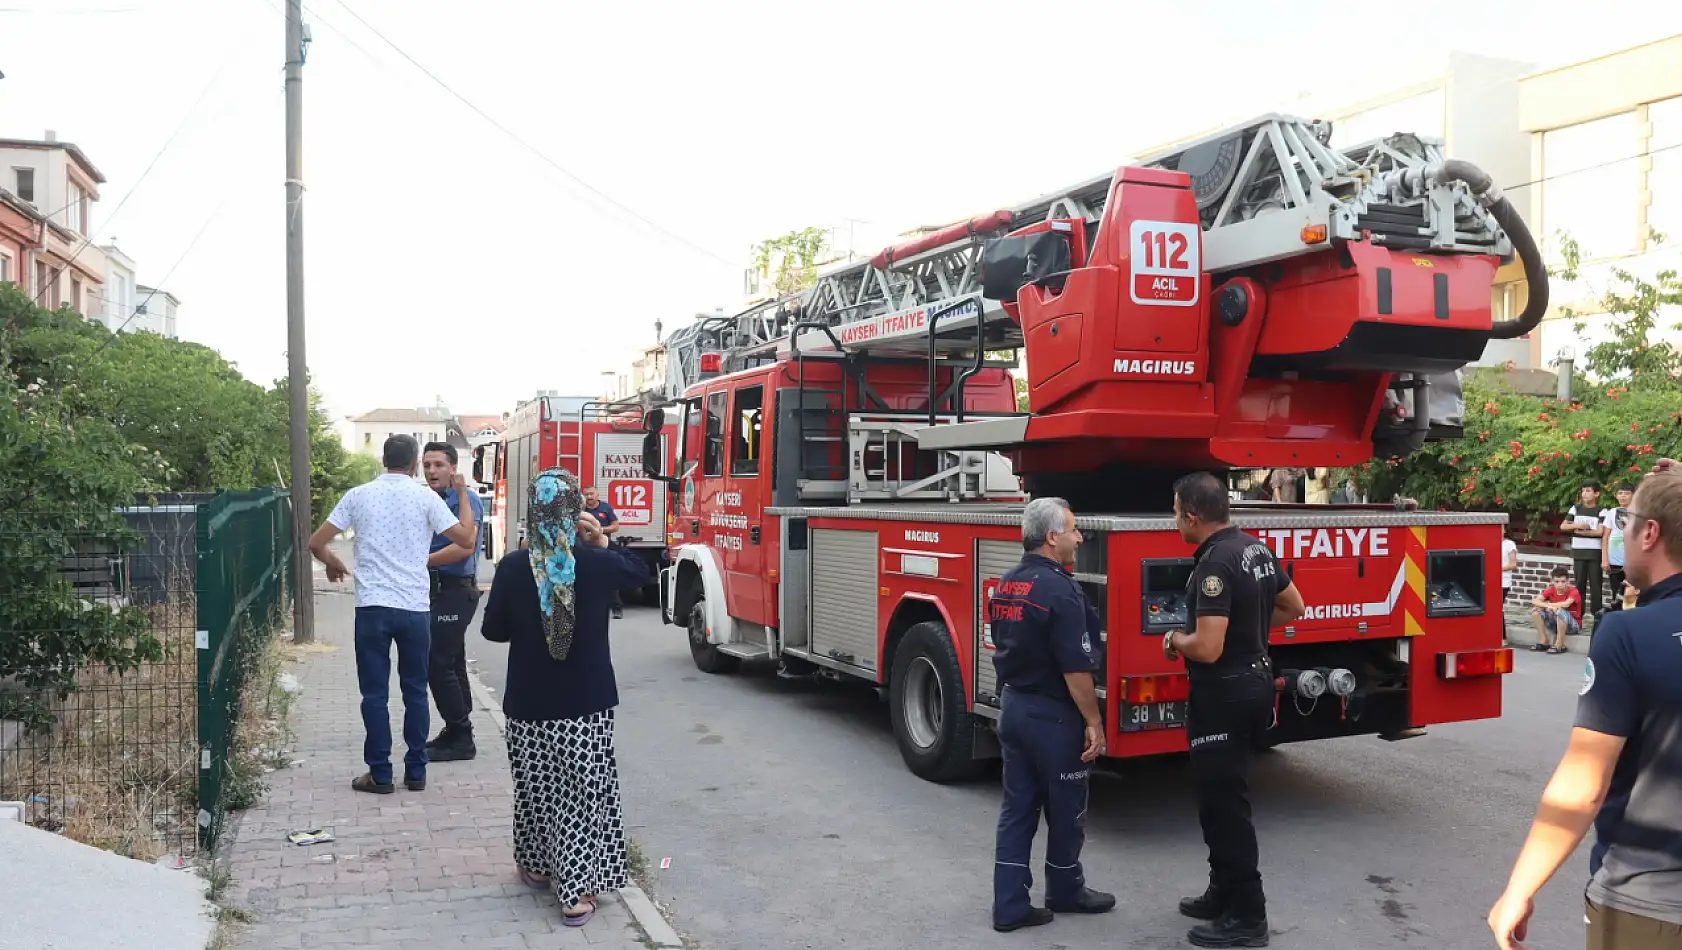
{"x": 609, "y": 520}
{"x": 1612, "y": 545}
{"x": 1509, "y": 564}
{"x": 1584, "y": 522}
{"x": 1622, "y": 771}
{"x": 394, "y": 518}
{"x": 549, "y": 602}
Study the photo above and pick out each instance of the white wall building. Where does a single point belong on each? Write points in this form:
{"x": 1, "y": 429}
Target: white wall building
{"x": 370, "y": 430}
{"x": 156, "y": 311}
{"x": 59, "y": 180}
{"x": 119, "y": 300}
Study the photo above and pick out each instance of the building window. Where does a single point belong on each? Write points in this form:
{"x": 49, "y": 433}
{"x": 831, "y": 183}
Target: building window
{"x": 5, "y": 269}
{"x": 76, "y": 295}
{"x": 24, "y": 181}
{"x": 1591, "y": 182}
{"x": 76, "y": 209}
{"x": 1664, "y": 182}
{"x": 368, "y": 439}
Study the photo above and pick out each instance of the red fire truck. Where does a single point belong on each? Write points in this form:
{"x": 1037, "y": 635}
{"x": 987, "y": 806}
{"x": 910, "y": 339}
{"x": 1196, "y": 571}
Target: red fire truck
{"x": 603, "y": 444}
{"x": 849, "y": 479}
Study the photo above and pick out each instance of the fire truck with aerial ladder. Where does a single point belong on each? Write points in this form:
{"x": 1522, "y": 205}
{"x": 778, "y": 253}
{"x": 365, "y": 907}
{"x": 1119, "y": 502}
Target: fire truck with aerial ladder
{"x": 603, "y": 443}
{"x": 848, "y": 480}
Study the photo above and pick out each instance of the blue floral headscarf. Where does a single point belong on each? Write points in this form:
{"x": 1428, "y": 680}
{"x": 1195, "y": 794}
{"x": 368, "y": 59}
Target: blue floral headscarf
{"x": 552, "y": 517}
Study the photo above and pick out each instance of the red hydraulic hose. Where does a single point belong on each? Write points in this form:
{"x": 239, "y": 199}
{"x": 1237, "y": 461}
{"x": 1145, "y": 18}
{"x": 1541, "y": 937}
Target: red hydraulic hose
{"x": 963, "y": 230}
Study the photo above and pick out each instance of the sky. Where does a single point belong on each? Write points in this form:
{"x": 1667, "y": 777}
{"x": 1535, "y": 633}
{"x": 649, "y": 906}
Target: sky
{"x": 600, "y": 166}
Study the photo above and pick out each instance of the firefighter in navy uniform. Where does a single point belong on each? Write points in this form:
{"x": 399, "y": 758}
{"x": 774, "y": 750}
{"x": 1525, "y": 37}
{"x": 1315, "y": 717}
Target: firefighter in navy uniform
{"x": 1045, "y": 633}
{"x": 1237, "y": 592}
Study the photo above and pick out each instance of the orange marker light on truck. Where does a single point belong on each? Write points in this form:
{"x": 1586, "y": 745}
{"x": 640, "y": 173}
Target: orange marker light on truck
{"x": 1455, "y": 666}
{"x": 1162, "y": 688}
{"x": 1314, "y": 234}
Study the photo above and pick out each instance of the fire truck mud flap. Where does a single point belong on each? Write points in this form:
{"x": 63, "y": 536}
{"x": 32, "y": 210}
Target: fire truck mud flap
{"x": 932, "y": 723}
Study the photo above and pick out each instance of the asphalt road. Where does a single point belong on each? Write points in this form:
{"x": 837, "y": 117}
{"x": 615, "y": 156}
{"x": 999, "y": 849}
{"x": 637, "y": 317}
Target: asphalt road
{"x": 790, "y": 821}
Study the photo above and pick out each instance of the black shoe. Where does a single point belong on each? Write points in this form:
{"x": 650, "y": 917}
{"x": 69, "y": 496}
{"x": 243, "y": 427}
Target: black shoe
{"x": 1230, "y": 931}
{"x": 1036, "y": 917}
{"x": 365, "y": 783}
{"x": 458, "y": 749}
{"x": 414, "y": 784}
{"x": 1210, "y": 905}
{"x": 619, "y": 613}
{"x": 445, "y": 736}
{"x": 1090, "y": 902}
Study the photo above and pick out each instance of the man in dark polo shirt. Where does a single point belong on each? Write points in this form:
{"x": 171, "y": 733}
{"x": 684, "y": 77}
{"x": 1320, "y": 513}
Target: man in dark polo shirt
{"x": 452, "y": 571}
{"x": 1623, "y": 768}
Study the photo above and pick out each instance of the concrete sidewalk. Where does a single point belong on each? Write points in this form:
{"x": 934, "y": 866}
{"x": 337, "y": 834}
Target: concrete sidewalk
{"x": 413, "y": 869}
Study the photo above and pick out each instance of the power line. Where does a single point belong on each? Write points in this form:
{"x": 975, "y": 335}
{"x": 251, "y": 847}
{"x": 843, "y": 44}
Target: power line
{"x": 170, "y": 273}
{"x": 88, "y": 239}
{"x": 532, "y": 148}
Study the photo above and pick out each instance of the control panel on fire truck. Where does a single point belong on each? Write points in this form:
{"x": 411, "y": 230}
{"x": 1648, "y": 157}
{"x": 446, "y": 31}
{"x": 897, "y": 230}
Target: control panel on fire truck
{"x": 1447, "y": 598}
{"x": 1164, "y": 594}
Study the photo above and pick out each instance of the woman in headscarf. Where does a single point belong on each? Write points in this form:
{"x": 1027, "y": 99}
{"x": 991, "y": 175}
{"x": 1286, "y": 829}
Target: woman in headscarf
{"x": 549, "y": 602}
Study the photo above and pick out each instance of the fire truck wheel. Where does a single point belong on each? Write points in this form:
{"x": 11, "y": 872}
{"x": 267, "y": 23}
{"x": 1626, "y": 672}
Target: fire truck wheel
{"x": 932, "y": 722}
{"x": 707, "y": 657}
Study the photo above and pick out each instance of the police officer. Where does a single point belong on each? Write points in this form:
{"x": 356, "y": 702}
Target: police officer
{"x": 455, "y": 597}
{"x": 1049, "y": 729}
{"x": 609, "y": 520}
{"x": 1622, "y": 770}
{"x": 1237, "y": 592}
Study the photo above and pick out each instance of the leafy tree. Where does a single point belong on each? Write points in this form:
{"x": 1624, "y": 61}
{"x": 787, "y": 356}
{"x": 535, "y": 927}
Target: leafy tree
{"x": 795, "y": 258}
{"x": 63, "y": 473}
{"x": 1528, "y": 454}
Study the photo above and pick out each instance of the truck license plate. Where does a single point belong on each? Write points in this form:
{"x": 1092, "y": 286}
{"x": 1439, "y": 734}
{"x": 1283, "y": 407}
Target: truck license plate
{"x": 1136, "y": 717}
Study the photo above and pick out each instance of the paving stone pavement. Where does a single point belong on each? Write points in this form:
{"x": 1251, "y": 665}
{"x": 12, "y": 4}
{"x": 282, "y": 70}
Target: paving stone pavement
{"x": 413, "y": 869}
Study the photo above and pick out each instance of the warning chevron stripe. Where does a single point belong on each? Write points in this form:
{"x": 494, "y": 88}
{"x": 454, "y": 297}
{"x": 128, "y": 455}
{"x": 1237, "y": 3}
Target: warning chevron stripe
{"x": 1413, "y": 592}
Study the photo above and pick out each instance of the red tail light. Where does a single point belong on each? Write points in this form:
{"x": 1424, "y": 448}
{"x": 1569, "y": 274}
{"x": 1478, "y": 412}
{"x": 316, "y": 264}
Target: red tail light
{"x": 1162, "y": 688}
{"x": 1454, "y": 666}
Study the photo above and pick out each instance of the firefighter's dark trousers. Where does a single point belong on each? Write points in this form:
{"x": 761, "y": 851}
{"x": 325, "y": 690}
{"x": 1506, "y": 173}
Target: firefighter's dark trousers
{"x": 1228, "y": 716}
{"x": 452, "y": 610}
{"x": 1041, "y": 739}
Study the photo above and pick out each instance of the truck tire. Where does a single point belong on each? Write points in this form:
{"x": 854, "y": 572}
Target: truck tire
{"x": 932, "y": 721}
{"x": 706, "y": 655}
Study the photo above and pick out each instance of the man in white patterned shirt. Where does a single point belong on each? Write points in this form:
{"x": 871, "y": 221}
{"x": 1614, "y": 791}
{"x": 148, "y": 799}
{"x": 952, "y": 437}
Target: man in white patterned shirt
{"x": 394, "y": 518}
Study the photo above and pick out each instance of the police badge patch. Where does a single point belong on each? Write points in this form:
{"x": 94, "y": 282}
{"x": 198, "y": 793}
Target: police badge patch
{"x": 1086, "y": 642}
{"x": 1212, "y": 586}
{"x": 1588, "y": 678}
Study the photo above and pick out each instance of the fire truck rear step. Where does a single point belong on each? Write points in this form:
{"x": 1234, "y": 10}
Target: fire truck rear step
{"x": 745, "y": 651}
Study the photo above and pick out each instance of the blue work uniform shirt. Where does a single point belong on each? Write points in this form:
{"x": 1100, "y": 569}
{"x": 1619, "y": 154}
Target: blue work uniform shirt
{"x": 467, "y": 566}
{"x": 1043, "y": 628}
{"x": 1632, "y": 687}
{"x": 604, "y": 513}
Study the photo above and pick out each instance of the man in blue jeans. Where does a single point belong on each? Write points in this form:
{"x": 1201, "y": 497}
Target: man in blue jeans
{"x": 393, "y": 519}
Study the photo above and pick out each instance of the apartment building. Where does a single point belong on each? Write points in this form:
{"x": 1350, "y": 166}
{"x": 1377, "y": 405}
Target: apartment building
{"x": 154, "y": 311}
{"x": 59, "y": 181}
{"x": 1605, "y": 150}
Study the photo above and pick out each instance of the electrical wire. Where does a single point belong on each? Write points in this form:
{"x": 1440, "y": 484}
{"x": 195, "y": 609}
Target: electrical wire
{"x": 141, "y": 308}
{"x": 88, "y": 239}
{"x": 532, "y": 148}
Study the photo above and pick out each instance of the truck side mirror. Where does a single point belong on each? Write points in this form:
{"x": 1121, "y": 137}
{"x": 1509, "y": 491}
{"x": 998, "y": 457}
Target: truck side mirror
{"x": 479, "y": 464}
{"x": 653, "y": 420}
{"x": 653, "y": 448}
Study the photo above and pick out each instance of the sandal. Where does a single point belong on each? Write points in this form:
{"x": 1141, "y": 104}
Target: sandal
{"x": 536, "y": 882}
{"x": 365, "y": 783}
{"x": 1555, "y": 651}
{"x": 579, "y": 920}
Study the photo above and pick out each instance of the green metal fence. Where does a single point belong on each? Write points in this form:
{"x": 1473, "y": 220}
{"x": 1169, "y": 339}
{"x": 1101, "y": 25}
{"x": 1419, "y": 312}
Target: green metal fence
{"x": 244, "y": 595}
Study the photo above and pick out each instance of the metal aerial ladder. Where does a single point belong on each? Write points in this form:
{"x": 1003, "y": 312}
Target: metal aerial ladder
{"x": 1266, "y": 189}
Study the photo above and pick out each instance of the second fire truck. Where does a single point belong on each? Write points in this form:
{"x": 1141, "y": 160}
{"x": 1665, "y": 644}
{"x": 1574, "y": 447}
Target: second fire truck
{"x": 848, "y": 481}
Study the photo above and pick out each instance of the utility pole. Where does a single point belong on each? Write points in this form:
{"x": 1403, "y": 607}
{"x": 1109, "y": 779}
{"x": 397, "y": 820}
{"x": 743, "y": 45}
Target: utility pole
{"x": 297, "y": 368}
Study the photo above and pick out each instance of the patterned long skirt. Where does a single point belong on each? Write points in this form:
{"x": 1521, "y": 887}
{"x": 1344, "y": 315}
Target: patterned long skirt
{"x": 568, "y": 824}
